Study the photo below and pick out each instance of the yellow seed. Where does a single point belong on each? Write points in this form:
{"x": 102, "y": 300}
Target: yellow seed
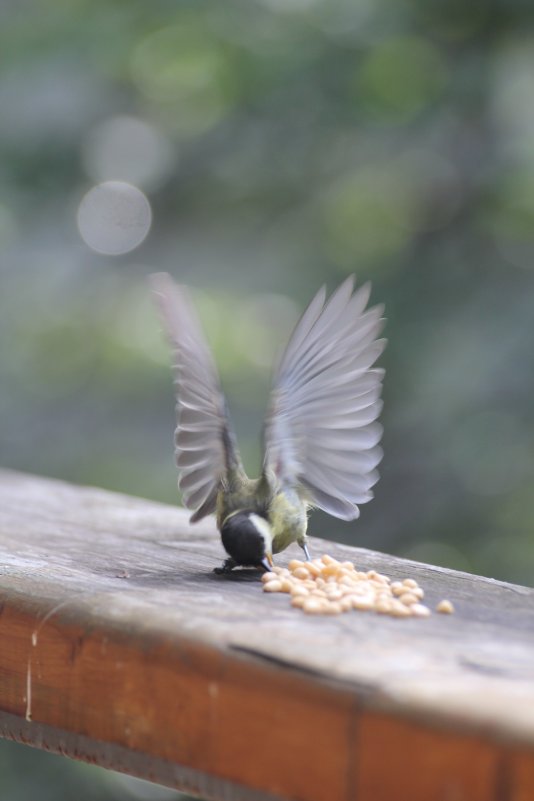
{"x": 329, "y": 560}
{"x": 397, "y": 588}
{"x": 408, "y": 598}
{"x": 334, "y": 594}
{"x": 411, "y": 583}
{"x": 359, "y": 589}
{"x": 301, "y": 572}
{"x": 312, "y": 568}
{"x": 418, "y": 592}
{"x": 298, "y": 600}
{"x": 381, "y": 578}
{"x": 268, "y": 577}
{"x": 330, "y": 571}
{"x": 332, "y": 608}
{"x": 287, "y": 584}
{"x": 273, "y": 586}
{"x": 309, "y": 584}
{"x": 364, "y": 602}
{"x": 348, "y": 566}
{"x": 298, "y": 589}
{"x": 294, "y": 564}
{"x": 346, "y": 603}
{"x": 445, "y": 607}
{"x": 313, "y": 606}
{"x": 420, "y": 610}
{"x": 383, "y": 607}
{"x": 400, "y": 610}
{"x": 383, "y": 596}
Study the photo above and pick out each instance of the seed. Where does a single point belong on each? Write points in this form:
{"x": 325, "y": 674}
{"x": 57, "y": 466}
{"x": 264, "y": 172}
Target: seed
{"x": 364, "y": 602}
{"x": 383, "y": 606}
{"x": 330, "y": 570}
{"x": 329, "y": 560}
{"x": 313, "y": 606}
{"x": 346, "y": 603}
{"x": 301, "y": 572}
{"x": 334, "y": 594}
{"x": 408, "y": 598}
{"x": 420, "y": 610}
{"x": 287, "y": 584}
{"x": 445, "y": 607}
{"x": 294, "y": 564}
{"x": 327, "y": 586}
{"x": 332, "y": 608}
{"x": 399, "y": 610}
{"x": 381, "y": 579}
{"x": 273, "y": 586}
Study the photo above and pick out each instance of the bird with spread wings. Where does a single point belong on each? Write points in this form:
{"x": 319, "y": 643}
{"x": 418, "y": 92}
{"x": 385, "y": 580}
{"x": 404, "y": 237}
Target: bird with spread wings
{"x": 320, "y": 436}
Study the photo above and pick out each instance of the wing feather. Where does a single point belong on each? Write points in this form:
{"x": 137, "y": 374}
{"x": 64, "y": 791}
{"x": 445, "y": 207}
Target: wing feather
{"x": 321, "y": 433}
{"x": 204, "y": 441}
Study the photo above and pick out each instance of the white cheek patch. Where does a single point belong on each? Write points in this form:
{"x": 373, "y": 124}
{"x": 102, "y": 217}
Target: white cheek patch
{"x": 264, "y": 529}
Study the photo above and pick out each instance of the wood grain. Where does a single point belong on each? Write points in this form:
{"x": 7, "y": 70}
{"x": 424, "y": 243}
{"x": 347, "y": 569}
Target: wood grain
{"x": 118, "y": 644}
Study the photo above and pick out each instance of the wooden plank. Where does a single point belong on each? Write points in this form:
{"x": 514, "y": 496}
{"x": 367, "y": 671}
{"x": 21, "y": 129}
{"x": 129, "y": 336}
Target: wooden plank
{"x": 119, "y": 644}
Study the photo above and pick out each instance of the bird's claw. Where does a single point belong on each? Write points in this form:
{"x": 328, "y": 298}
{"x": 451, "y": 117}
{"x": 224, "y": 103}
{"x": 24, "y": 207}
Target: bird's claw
{"x": 306, "y": 551}
{"x": 226, "y": 567}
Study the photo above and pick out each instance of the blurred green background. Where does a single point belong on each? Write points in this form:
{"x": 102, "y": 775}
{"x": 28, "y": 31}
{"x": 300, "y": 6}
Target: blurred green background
{"x": 274, "y": 145}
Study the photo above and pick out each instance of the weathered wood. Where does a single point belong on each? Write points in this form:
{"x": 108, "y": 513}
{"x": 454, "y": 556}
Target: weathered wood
{"x": 119, "y": 645}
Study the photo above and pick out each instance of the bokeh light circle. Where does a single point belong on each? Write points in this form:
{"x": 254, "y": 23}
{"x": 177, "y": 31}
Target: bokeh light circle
{"x": 114, "y": 217}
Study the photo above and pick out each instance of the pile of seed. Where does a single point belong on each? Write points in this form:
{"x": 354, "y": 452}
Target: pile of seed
{"x": 326, "y": 586}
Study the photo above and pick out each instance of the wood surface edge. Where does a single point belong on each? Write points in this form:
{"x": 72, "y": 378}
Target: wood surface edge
{"x": 229, "y": 705}
{"x": 124, "y": 760}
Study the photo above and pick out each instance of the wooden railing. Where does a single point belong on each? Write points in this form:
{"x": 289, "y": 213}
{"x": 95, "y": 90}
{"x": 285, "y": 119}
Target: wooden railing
{"x": 118, "y": 645}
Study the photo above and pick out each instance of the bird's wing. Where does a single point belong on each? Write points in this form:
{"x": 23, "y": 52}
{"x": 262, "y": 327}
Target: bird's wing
{"x": 321, "y": 434}
{"x": 204, "y": 442}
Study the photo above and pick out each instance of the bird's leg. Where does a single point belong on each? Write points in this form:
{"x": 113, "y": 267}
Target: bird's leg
{"x": 226, "y": 567}
{"x": 304, "y": 547}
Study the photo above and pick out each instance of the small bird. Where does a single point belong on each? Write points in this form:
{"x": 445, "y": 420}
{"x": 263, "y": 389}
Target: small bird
{"x": 320, "y": 436}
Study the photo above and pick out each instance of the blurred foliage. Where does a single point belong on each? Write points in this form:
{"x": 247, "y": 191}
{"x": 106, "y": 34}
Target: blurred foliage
{"x": 281, "y": 144}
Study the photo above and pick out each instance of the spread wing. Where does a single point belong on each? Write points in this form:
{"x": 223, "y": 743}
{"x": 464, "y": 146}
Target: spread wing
{"x": 204, "y": 442}
{"x": 321, "y": 434}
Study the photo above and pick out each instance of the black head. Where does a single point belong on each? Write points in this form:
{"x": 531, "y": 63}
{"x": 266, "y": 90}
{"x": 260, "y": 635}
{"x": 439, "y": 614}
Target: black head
{"x": 247, "y": 538}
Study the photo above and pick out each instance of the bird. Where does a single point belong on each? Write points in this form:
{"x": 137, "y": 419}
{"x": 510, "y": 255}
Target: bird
{"x": 321, "y": 433}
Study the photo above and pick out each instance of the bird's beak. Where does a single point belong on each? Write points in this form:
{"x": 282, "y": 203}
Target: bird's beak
{"x": 267, "y": 562}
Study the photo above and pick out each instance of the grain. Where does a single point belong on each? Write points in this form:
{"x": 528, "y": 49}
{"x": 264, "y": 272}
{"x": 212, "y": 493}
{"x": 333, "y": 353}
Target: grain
{"x": 272, "y": 586}
{"x": 326, "y": 586}
{"x": 301, "y": 572}
{"x": 408, "y": 598}
{"x": 420, "y": 610}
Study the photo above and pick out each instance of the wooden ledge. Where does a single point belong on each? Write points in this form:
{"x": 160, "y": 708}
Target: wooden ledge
{"x": 120, "y": 646}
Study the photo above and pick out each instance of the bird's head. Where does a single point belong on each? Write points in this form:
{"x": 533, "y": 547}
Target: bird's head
{"x": 248, "y": 538}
